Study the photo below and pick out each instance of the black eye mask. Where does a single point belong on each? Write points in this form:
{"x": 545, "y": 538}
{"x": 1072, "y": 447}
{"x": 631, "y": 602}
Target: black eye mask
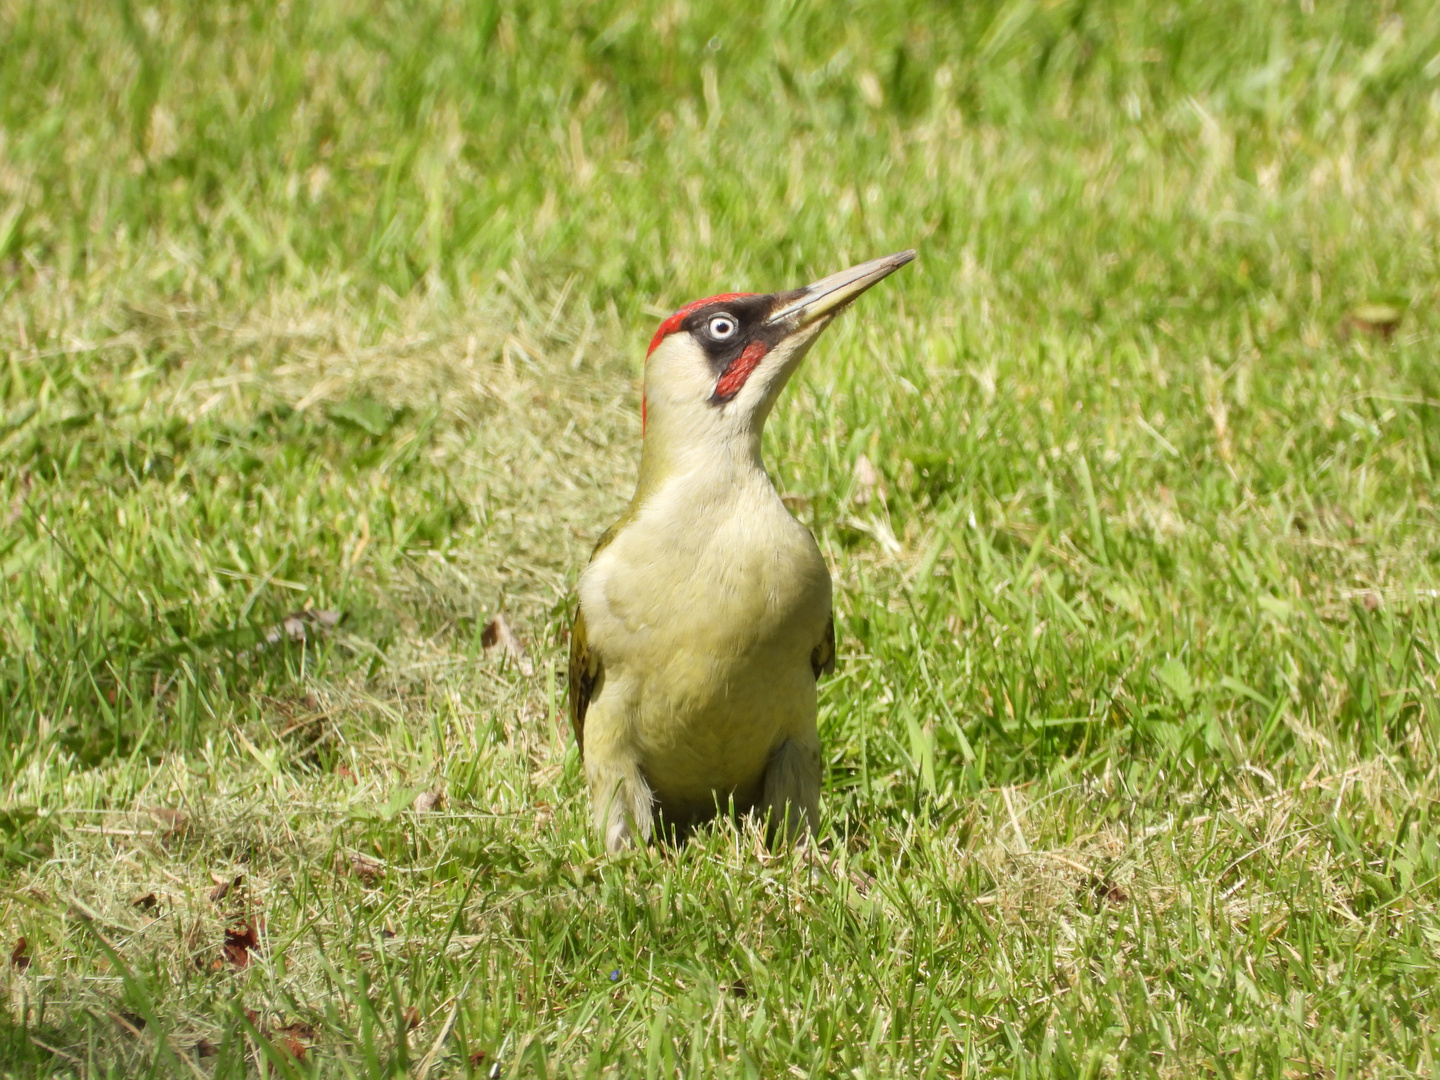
{"x": 748, "y": 315}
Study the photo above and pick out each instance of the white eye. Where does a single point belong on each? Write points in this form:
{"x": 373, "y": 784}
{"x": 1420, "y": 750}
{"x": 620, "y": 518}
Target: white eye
{"x": 722, "y": 327}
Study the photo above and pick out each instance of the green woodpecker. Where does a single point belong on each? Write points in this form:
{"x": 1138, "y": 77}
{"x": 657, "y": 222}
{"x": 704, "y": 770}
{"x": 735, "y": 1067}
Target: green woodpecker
{"x": 704, "y": 618}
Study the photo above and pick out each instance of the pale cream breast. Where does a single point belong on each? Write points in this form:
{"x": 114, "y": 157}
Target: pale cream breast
{"x": 706, "y": 608}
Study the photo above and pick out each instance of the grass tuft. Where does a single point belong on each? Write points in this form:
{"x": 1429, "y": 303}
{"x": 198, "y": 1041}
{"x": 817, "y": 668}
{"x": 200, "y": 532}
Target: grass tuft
{"x": 320, "y": 331}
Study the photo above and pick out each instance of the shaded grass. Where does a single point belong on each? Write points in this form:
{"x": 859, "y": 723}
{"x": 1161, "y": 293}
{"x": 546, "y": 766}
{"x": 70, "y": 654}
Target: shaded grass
{"x": 1132, "y": 748}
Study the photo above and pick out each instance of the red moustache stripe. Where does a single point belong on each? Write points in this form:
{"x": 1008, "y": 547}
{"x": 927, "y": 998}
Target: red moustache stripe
{"x": 736, "y": 374}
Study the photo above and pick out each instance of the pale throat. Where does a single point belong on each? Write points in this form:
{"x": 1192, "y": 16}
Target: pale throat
{"x": 723, "y": 454}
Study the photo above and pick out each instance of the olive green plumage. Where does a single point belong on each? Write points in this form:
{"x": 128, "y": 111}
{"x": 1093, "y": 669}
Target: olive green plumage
{"x": 704, "y": 618}
{"x": 586, "y": 668}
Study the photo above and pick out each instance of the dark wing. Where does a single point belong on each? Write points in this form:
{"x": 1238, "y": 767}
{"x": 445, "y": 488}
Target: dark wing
{"x": 585, "y": 665}
{"x": 584, "y": 671}
{"x": 822, "y": 660}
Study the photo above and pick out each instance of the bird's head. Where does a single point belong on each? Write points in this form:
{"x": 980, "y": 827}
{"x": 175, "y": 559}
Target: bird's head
{"x": 716, "y": 366}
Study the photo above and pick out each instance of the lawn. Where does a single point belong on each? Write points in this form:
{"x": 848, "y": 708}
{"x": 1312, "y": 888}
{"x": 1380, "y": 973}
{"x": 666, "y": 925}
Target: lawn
{"x": 321, "y": 329}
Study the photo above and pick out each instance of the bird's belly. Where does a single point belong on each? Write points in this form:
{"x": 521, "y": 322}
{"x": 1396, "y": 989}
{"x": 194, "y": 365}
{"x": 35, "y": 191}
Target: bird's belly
{"x": 706, "y": 614}
{"x": 717, "y": 673}
{"x": 703, "y": 733}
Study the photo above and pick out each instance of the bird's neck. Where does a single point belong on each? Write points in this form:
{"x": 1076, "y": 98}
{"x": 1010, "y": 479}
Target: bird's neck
{"x": 723, "y": 457}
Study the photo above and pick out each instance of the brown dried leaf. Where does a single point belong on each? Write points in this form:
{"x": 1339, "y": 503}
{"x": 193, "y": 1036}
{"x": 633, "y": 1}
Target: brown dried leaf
{"x": 480, "y": 1060}
{"x": 428, "y": 800}
{"x": 205, "y": 1048}
{"x": 1107, "y": 890}
{"x": 412, "y": 1017}
{"x": 19, "y": 956}
{"x": 172, "y": 822}
{"x": 295, "y": 1039}
{"x": 223, "y": 886}
{"x": 366, "y": 869}
{"x": 1381, "y": 320}
{"x": 497, "y": 632}
{"x": 294, "y": 626}
{"x": 345, "y": 774}
{"x": 239, "y": 940}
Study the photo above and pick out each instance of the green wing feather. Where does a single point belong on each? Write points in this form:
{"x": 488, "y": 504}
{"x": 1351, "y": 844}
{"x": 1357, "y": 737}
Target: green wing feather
{"x": 585, "y": 666}
{"x": 584, "y": 670}
{"x": 822, "y": 660}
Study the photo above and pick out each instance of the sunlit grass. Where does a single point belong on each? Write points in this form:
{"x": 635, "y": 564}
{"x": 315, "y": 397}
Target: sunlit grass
{"x": 1129, "y": 504}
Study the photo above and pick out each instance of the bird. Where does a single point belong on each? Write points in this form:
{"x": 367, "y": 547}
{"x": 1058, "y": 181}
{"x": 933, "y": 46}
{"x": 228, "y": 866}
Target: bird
{"x": 704, "y": 619}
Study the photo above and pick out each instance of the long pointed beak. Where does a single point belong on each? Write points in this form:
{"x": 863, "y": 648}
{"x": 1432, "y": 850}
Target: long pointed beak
{"x": 828, "y": 295}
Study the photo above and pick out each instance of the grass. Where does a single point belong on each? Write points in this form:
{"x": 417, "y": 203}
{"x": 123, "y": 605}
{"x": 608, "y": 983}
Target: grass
{"x": 1130, "y": 507}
